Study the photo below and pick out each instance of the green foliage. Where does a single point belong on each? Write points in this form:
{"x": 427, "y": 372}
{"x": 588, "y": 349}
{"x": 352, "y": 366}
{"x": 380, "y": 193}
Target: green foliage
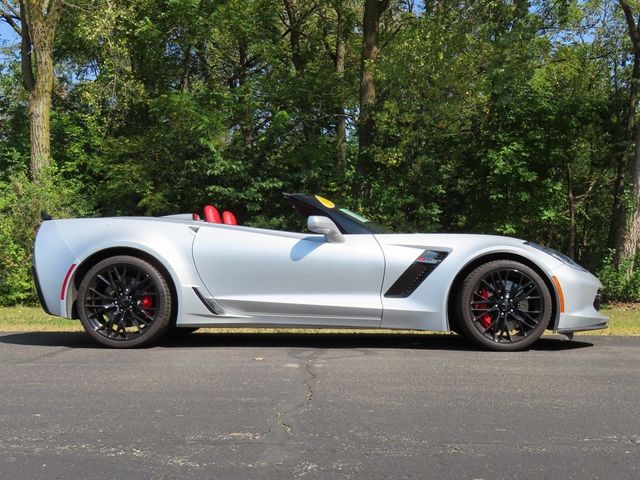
{"x": 620, "y": 283}
{"x": 491, "y": 117}
{"x": 21, "y": 202}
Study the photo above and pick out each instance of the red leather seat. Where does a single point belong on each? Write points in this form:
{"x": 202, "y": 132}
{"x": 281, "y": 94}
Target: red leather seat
{"x": 211, "y": 214}
{"x": 195, "y": 216}
{"x": 229, "y": 218}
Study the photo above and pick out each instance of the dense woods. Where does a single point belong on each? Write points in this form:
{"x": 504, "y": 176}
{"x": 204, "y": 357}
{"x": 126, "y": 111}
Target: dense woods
{"x": 509, "y": 117}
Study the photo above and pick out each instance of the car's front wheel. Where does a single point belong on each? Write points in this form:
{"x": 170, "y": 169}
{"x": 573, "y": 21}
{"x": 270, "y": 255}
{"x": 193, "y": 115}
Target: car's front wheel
{"x": 503, "y": 305}
{"x": 124, "y": 302}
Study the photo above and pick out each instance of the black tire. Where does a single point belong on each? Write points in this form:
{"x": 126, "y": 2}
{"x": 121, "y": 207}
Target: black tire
{"x": 125, "y": 302}
{"x": 503, "y": 305}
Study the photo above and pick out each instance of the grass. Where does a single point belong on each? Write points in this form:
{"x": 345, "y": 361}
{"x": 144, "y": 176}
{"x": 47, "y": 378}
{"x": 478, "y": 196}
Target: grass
{"x": 624, "y": 319}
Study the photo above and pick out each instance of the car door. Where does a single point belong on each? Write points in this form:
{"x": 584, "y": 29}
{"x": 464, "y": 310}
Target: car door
{"x": 290, "y": 277}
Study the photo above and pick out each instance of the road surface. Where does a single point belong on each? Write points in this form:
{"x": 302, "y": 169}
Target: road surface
{"x": 281, "y": 406}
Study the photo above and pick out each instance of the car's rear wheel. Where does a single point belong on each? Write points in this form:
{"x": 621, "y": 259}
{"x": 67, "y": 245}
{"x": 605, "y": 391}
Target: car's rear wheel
{"x": 503, "y": 305}
{"x": 124, "y": 302}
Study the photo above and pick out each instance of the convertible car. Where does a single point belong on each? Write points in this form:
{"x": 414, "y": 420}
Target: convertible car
{"x": 130, "y": 280}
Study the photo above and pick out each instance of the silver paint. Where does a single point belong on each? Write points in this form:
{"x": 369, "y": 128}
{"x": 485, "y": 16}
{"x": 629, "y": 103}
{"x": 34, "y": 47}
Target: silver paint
{"x": 260, "y": 277}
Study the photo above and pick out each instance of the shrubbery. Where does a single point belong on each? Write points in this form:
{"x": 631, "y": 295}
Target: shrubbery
{"x": 622, "y": 283}
{"x": 21, "y": 202}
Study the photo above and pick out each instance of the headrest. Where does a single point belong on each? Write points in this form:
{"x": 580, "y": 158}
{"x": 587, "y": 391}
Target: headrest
{"x": 211, "y": 214}
{"x": 229, "y": 218}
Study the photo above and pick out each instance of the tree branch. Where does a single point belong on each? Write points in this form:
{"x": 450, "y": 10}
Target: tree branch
{"x": 73, "y": 5}
{"x": 631, "y": 24}
{"x": 28, "y": 79}
{"x": 382, "y": 6}
{"x": 9, "y": 19}
{"x": 10, "y": 8}
{"x": 390, "y": 38}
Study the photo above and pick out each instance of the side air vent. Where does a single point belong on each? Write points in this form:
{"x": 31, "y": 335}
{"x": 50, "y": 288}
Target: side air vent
{"x": 413, "y": 276}
{"x": 209, "y": 302}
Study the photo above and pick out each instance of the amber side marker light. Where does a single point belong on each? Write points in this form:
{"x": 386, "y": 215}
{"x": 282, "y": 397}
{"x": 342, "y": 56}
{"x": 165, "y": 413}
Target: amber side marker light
{"x": 556, "y": 282}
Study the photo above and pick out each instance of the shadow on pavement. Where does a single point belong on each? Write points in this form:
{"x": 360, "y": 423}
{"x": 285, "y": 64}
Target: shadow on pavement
{"x": 288, "y": 340}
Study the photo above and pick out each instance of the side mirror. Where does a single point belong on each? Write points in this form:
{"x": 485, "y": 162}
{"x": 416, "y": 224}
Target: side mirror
{"x": 325, "y": 226}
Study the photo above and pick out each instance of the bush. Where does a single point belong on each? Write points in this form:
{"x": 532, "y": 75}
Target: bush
{"x": 621, "y": 283}
{"x": 21, "y": 202}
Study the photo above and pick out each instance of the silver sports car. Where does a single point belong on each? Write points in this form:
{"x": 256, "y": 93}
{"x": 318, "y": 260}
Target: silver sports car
{"x": 130, "y": 280}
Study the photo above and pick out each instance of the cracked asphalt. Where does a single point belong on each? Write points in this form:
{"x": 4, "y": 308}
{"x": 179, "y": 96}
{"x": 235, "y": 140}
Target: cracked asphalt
{"x": 278, "y": 406}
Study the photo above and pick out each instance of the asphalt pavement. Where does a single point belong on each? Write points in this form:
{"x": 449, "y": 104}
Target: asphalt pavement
{"x": 280, "y": 406}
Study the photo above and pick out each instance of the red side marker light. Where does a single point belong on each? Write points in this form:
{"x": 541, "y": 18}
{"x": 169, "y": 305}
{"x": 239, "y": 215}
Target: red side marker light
{"x": 63, "y": 290}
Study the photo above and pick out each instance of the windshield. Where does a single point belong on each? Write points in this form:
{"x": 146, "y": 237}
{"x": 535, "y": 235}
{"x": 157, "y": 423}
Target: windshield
{"x": 374, "y": 227}
{"x": 347, "y": 221}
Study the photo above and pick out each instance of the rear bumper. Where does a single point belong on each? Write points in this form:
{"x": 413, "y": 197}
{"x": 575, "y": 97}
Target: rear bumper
{"x": 43, "y": 303}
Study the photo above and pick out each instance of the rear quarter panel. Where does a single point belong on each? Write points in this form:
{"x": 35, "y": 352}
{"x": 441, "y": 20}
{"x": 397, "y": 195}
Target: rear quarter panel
{"x": 61, "y": 243}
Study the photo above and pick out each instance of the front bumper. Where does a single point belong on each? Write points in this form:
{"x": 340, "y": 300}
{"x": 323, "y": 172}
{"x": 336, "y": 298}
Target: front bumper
{"x": 580, "y": 291}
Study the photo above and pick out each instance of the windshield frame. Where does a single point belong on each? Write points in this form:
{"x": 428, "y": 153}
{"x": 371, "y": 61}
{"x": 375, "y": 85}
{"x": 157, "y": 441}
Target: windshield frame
{"x": 348, "y": 223}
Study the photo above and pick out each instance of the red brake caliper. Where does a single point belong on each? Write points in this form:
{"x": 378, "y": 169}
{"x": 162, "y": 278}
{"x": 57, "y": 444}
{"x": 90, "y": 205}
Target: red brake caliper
{"x": 485, "y": 320}
{"x": 147, "y": 302}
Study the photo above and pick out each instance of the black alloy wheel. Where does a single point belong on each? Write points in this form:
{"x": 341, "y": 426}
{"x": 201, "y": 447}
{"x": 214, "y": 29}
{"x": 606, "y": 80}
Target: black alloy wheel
{"x": 124, "y": 302}
{"x": 504, "y": 305}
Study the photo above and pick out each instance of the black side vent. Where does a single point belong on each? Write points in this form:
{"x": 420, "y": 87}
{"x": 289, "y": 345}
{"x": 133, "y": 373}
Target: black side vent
{"x": 413, "y": 276}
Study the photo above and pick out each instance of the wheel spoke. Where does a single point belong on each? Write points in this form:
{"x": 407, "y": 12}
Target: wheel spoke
{"x": 137, "y": 322}
{"x": 519, "y": 323}
{"x": 492, "y": 325}
{"x": 482, "y": 314}
{"x": 515, "y": 286}
{"x": 529, "y": 317}
{"x": 523, "y": 321}
{"x": 112, "y": 282}
{"x": 506, "y": 330}
{"x": 136, "y": 287}
{"x": 145, "y": 314}
{"x": 101, "y": 295}
{"x": 526, "y": 295}
{"x": 489, "y": 285}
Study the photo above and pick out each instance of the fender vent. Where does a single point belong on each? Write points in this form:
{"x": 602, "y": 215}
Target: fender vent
{"x": 413, "y": 276}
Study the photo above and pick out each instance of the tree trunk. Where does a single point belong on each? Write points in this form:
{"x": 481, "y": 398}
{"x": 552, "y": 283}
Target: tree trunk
{"x": 616, "y": 230}
{"x": 341, "y": 126}
{"x": 366, "y": 128}
{"x": 295, "y": 23}
{"x": 631, "y": 227}
{"x": 39, "y": 127}
{"x": 246, "y": 120}
{"x": 185, "y": 83}
{"x": 632, "y": 231}
{"x": 295, "y": 34}
{"x": 572, "y": 214}
{"x": 42, "y": 24}
{"x": 619, "y": 212}
{"x": 26, "y": 66}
